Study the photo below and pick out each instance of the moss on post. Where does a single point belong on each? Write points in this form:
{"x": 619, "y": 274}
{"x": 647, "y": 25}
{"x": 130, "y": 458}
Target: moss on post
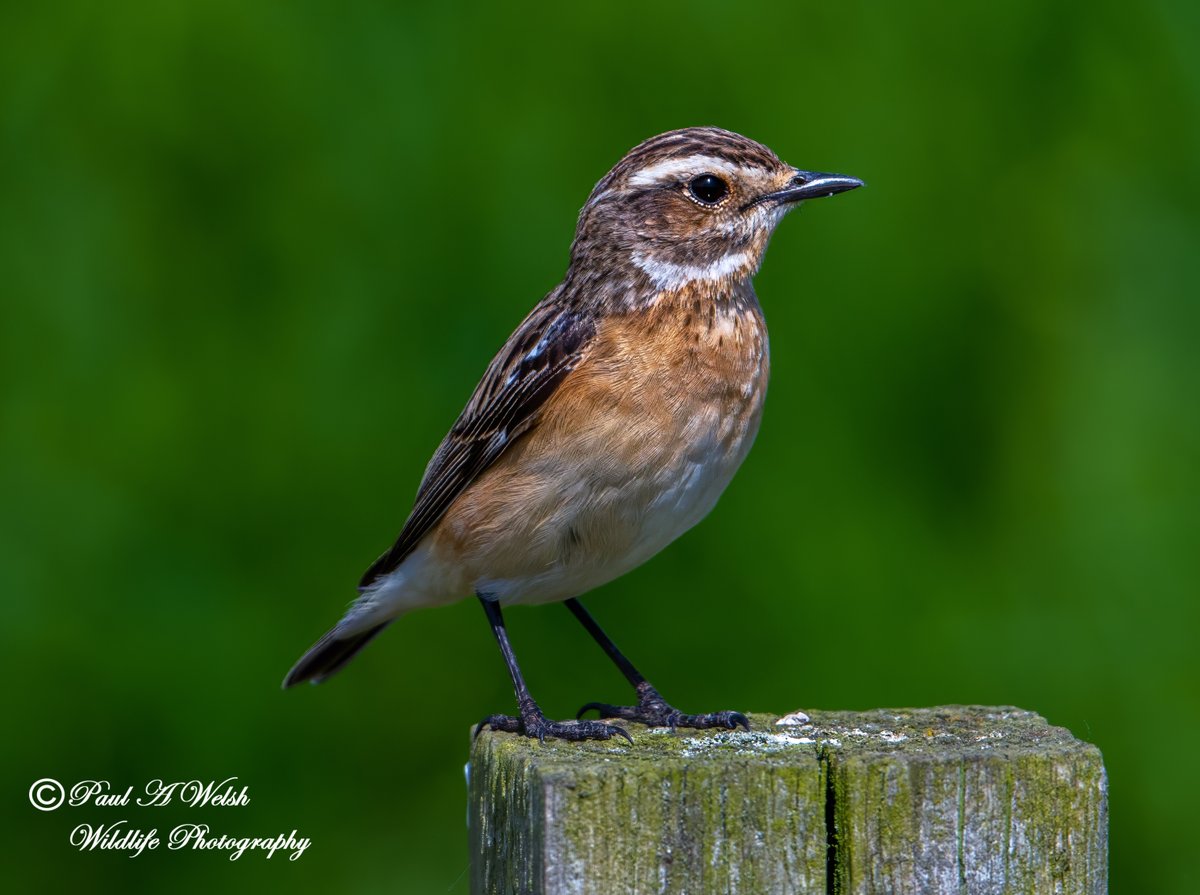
{"x": 953, "y": 799}
{"x": 965, "y": 800}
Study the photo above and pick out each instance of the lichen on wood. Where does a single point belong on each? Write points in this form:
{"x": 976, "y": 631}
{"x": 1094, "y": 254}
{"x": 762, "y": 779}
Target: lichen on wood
{"x": 955, "y": 799}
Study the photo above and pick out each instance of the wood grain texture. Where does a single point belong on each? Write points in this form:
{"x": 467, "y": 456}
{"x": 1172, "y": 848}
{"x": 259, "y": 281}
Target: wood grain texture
{"x": 945, "y": 800}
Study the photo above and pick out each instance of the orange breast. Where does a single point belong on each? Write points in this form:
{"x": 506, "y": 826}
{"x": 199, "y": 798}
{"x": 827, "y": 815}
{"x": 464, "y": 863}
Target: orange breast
{"x": 632, "y": 449}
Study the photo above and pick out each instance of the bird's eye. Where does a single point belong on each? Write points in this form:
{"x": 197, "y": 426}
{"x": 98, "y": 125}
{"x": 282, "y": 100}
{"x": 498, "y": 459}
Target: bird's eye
{"x": 708, "y": 189}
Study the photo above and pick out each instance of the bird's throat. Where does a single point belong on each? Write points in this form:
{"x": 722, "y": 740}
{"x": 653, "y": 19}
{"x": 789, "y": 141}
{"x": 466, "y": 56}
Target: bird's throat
{"x": 673, "y": 276}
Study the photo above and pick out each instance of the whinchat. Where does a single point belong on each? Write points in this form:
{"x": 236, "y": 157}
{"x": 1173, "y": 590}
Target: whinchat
{"x": 611, "y": 420}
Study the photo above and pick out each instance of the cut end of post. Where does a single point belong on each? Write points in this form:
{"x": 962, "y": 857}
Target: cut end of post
{"x": 992, "y": 799}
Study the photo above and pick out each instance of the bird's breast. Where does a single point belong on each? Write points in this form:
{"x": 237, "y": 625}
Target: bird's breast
{"x": 703, "y": 367}
{"x": 632, "y": 450}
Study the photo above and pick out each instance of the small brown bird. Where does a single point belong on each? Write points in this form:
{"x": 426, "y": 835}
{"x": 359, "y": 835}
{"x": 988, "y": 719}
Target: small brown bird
{"x": 611, "y": 420}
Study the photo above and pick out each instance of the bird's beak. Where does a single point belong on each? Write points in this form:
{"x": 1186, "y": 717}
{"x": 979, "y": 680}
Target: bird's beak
{"x": 813, "y": 185}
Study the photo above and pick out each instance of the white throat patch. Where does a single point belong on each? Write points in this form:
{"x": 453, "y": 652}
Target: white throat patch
{"x": 669, "y": 276}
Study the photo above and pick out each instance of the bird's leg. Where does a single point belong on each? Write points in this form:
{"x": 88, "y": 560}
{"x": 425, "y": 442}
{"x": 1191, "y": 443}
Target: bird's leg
{"x": 651, "y": 709}
{"x": 532, "y": 723}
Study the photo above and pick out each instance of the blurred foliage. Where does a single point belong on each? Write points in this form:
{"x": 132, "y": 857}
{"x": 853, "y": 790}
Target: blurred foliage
{"x": 255, "y": 256}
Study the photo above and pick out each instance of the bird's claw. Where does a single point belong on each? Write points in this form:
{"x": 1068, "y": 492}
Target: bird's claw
{"x": 536, "y": 725}
{"x": 654, "y": 711}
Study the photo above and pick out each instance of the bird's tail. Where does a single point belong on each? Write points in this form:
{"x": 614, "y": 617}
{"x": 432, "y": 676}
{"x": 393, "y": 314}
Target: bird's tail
{"x": 327, "y": 656}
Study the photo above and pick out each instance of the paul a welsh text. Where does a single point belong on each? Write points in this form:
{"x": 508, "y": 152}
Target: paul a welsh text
{"x": 196, "y": 837}
{"x": 193, "y": 793}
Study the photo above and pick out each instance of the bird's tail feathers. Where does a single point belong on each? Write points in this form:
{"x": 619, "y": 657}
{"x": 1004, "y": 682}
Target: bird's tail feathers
{"x": 328, "y": 655}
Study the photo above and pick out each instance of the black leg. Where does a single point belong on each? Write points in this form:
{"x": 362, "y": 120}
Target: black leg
{"x": 532, "y": 723}
{"x": 610, "y": 649}
{"x": 651, "y": 709}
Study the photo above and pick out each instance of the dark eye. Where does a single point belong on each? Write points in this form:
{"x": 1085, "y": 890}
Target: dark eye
{"x": 708, "y": 188}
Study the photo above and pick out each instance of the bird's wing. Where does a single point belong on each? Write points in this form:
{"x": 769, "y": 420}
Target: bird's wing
{"x": 548, "y": 344}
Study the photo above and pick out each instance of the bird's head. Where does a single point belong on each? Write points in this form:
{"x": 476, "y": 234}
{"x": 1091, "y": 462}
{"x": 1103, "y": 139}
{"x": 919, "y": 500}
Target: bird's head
{"x": 693, "y": 205}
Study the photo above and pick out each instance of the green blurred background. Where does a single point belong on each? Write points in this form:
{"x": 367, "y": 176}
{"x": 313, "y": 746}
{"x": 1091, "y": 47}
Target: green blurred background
{"x": 255, "y": 256}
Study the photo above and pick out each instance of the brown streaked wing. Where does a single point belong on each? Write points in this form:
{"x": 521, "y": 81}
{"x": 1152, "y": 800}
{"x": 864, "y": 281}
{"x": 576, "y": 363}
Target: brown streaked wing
{"x": 548, "y": 344}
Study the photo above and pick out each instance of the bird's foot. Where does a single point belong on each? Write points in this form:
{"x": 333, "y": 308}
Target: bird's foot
{"x": 654, "y": 711}
{"x": 533, "y": 723}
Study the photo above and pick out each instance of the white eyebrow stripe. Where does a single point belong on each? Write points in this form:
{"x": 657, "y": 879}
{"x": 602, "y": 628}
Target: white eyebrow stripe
{"x": 667, "y": 275}
{"x": 671, "y": 169}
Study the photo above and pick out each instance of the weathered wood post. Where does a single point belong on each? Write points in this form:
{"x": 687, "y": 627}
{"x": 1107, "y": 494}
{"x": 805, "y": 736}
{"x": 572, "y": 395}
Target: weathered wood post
{"x": 945, "y": 800}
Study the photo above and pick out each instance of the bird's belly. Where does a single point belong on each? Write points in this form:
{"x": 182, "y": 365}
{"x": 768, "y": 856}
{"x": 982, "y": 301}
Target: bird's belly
{"x": 679, "y": 496}
{"x": 606, "y": 521}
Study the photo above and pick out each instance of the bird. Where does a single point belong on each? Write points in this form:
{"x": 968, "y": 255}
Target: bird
{"x": 608, "y": 424}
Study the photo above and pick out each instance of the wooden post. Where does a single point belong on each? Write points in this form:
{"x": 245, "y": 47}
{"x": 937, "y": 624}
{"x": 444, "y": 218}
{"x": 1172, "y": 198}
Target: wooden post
{"x": 945, "y": 800}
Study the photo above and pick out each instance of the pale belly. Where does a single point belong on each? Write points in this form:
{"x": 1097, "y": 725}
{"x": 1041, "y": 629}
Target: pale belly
{"x": 606, "y": 522}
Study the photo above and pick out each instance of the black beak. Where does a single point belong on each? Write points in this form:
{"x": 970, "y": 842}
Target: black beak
{"x": 812, "y": 185}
